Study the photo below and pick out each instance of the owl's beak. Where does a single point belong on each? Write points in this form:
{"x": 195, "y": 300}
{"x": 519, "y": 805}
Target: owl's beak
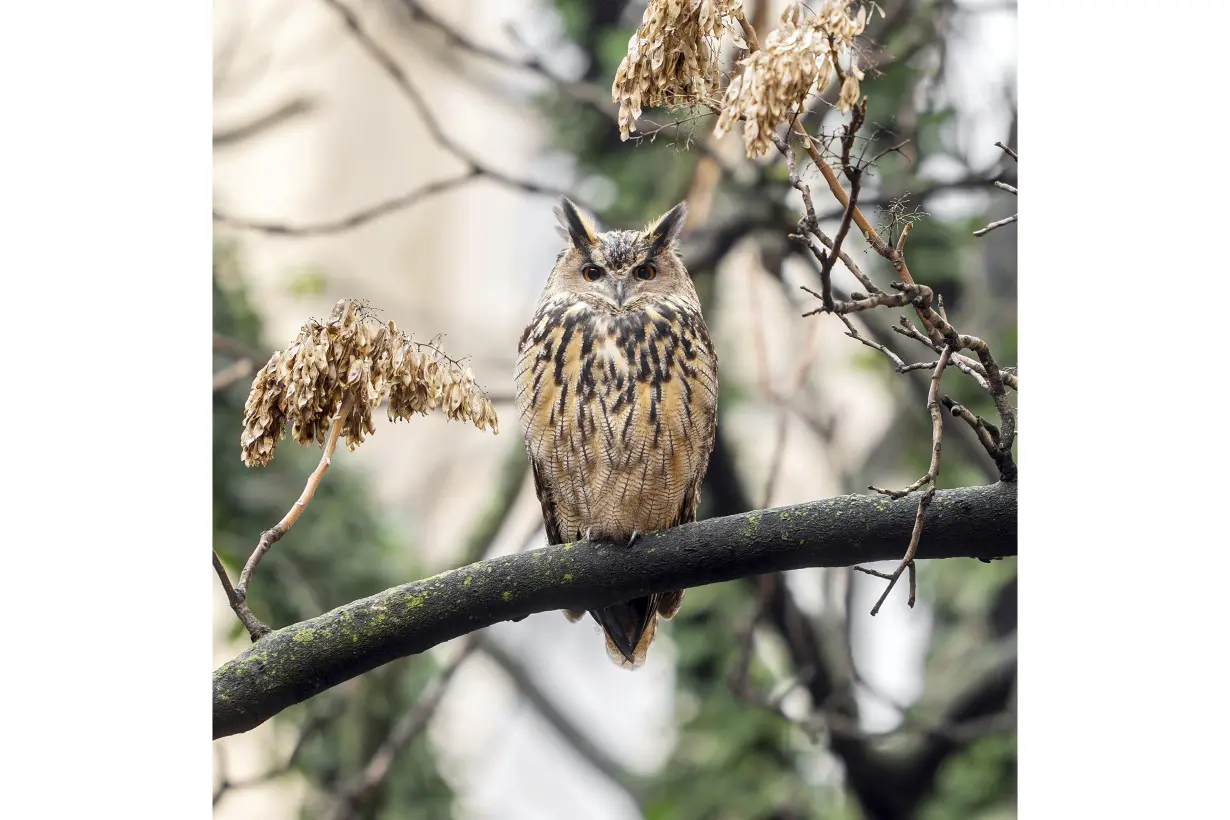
{"x": 619, "y": 285}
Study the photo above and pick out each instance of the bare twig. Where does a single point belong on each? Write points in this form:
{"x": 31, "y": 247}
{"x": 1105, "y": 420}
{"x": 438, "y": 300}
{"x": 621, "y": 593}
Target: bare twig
{"x": 999, "y": 223}
{"x": 809, "y": 226}
{"x": 885, "y": 575}
{"x": 839, "y": 193}
{"x": 965, "y": 364}
{"x": 349, "y": 221}
{"x": 937, "y": 433}
{"x": 255, "y": 628}
{"x": 852, "y": 332}
{"x": 996, "y": 380}
{"x": 1006, "y": 150}
{"x": 272, "y": 536}
{"x": 826, "y": 270}
{"x": 289, "y": 110}
{"x": 1003, "y": 186}
{"x": 905, "y": 295}
{"x": 939, "y": 333}
{"x": 472, "y": 166}
{"x": 988, "y": 436}
{"x": 895, "y": 149}
{"x": 411, "y": 92}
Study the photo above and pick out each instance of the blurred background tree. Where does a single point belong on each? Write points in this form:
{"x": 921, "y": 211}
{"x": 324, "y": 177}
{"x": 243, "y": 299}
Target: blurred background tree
{"x": 782, "y": 697}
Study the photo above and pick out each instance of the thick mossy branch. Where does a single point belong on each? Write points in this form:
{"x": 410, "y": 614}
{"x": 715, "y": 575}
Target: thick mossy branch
{"x": 299, "y": 661}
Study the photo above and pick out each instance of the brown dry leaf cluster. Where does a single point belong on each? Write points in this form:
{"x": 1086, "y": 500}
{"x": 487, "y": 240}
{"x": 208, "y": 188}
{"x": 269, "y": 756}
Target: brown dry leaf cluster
{"x": 353, "y": 357}
{"x": 797, "y": 59}
{"x": 672, "y": 58}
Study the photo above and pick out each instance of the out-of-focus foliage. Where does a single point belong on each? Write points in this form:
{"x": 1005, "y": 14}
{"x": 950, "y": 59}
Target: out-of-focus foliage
{"x": 339, "y": 552}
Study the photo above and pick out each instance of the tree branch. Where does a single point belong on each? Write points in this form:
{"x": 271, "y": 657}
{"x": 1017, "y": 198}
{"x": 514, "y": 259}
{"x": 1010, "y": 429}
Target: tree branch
{"x": 299, "y": 661}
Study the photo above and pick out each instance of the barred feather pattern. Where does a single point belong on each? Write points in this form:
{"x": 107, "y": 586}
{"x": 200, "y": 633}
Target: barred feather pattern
{"x": 619, "y": 411}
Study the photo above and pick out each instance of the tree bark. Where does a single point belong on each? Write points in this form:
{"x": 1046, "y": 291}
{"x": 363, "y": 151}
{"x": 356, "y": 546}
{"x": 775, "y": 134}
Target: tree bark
{"x": 292, "y": 664}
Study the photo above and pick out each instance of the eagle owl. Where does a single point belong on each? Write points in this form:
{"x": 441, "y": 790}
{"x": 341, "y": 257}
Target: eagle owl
{"x": 617, "y": 394}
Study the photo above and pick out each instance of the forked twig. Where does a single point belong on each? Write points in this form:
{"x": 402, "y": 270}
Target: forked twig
{"x": 929, "y": 479}
{"x": 255, "y": 628}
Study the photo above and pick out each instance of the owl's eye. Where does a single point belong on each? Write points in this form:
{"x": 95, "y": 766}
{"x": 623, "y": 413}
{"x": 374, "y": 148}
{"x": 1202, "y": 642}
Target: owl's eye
{"x": 646, "y": 271}
{"x": 592, "y": 273}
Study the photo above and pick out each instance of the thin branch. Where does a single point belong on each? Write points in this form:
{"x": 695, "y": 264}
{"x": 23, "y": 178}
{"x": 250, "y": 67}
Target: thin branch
{"x": 272, "y": 536}
{"x": 839, "y": 193}
{"x": 473, "y": 168}
{"x": 996, "y": 224}
{"x": 988, "y": 436}
{"x": 349, "y": 221}
{"x": 965, "y": 364}
{"x": 809, "y": 226}
{"x": 1003, "y": 186}
{"x": 904, "y": 296}
{"x": 933, "y": 471}
{"x": 826, "y": 270}
{"x": 255, "y": 628}
{"x": 289, "y": 110}
{"x": 898, "y": 364}
{"x": 411, "y": 92}
{"x": 298, "y": 661}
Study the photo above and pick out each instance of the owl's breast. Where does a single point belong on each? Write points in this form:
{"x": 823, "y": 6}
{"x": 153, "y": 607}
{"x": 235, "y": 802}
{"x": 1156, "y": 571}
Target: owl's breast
{"x": 618, "y": 411}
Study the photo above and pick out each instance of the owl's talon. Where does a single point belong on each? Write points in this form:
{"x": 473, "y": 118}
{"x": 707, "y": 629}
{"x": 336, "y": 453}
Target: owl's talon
{"x": 632, "y": 538}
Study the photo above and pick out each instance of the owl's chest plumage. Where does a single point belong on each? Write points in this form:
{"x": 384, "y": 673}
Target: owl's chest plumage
{"x": 619, "y": 414}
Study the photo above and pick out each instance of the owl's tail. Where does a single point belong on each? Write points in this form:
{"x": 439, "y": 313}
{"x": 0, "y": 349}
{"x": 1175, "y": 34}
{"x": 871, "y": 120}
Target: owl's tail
{"x": 630, "y": 626}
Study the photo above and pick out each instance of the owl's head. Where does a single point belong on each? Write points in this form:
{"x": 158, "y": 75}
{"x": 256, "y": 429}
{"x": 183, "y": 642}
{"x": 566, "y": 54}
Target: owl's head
{"x": 618, "y": 271}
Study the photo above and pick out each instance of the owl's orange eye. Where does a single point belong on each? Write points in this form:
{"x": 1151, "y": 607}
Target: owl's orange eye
{"x": 592, "y": 273}
{"x": 646, "y": 271}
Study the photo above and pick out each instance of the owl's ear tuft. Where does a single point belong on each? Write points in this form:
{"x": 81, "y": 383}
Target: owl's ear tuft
{"x": 664, "y": 231}
{"x": 574, "y": 225}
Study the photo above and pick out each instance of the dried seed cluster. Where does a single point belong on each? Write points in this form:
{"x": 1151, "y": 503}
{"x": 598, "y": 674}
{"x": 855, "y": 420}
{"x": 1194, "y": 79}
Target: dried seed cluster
{"x": 797, "y": 59}
{"x": 672, "y": 57}
{"x": 353, "y": 360}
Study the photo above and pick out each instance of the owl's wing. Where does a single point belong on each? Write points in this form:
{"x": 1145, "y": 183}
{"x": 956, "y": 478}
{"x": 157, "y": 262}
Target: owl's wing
{"x": 670, "y": 601}
{"x": 549, "y": 519}
{"x": 552, "y": 524}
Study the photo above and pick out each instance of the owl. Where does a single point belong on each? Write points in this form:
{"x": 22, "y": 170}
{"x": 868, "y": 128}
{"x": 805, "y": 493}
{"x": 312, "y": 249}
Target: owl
{"x": 617, "y": 394}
